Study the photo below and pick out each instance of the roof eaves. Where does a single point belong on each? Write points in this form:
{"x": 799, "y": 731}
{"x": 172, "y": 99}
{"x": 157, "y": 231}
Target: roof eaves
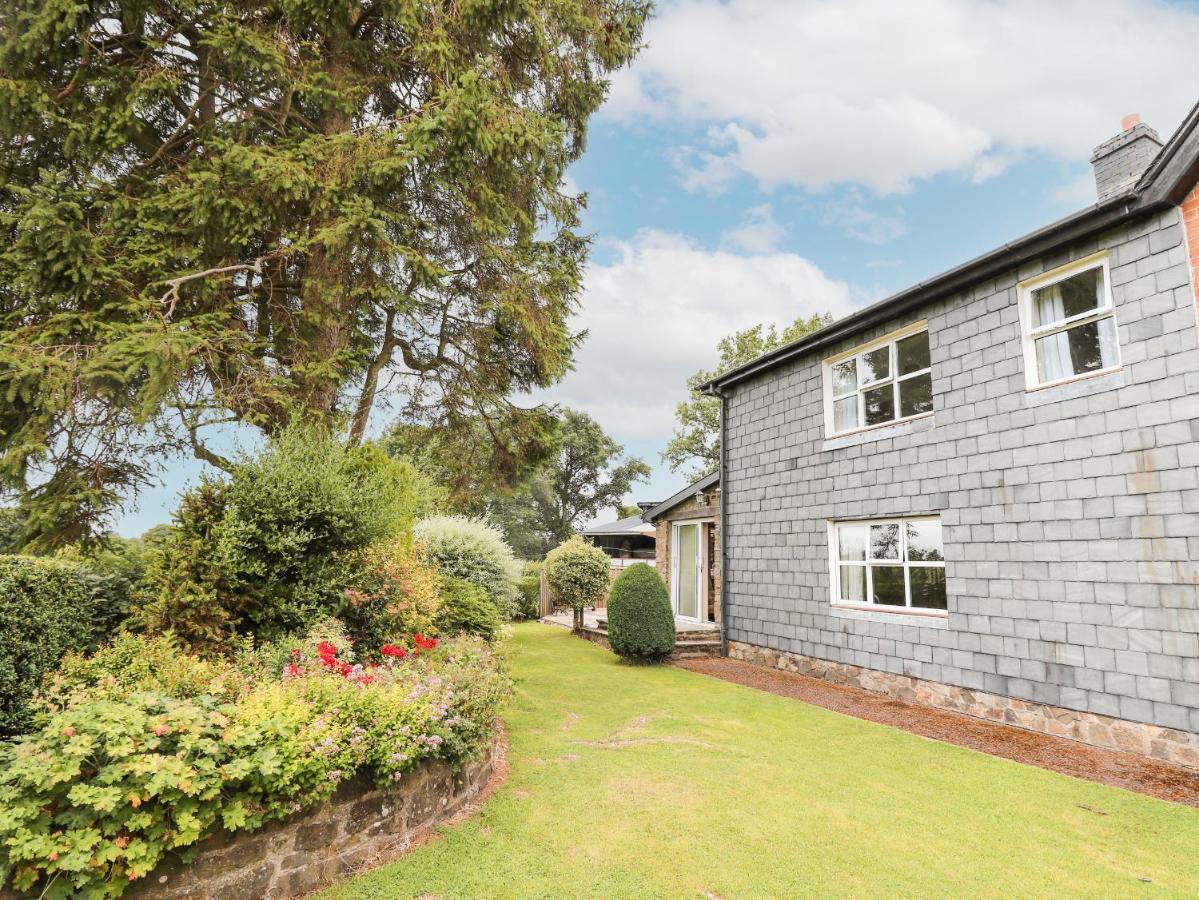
{"x": 689, "y": 491}
{"x": 1001, "y": 259}
{"x": 1175, "y": 170}
{"x": 1165, "y": 183}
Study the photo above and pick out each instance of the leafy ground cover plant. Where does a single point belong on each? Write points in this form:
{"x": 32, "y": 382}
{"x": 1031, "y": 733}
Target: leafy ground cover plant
{"x": 126, "y": 767}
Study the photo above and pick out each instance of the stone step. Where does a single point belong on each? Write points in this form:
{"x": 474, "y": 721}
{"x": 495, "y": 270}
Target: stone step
{"x": 692, "y": 649}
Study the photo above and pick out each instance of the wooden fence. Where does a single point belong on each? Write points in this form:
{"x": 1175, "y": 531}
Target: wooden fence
{"x": 545, "y": 600}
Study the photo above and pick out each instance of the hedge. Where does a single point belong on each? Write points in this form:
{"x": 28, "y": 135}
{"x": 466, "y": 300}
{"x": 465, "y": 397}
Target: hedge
{"x": 47, "y": 607}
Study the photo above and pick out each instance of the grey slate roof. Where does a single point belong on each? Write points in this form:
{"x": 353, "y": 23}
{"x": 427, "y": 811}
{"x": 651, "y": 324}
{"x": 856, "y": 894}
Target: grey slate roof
{"x": 1165, "y": 183}
{"x": 631, "y": 525}
{"x": 690, "y": 490}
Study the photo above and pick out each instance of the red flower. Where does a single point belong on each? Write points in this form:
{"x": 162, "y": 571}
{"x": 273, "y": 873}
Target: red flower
{"x": 393, "y": 650}
{"x": 295, "y": 652}
{"x": 423, "y": 642}
{"x": 292, "y": 671}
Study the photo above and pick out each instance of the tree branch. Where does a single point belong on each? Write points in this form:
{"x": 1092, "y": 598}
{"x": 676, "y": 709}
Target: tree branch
{"x": 371, "y": 385}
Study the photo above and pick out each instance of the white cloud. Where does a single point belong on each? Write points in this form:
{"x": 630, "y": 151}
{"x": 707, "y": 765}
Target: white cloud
{"x": 655, "y": 313}
{"x": 817, "y": 93}
{"x": 852, "y": 216}
{"x": 757, "y": 233}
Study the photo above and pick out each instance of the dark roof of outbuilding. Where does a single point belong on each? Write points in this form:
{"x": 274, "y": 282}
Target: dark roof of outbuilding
{"x": 627, "y": 526}
{"x": 689, "y": 491}
{"x": 1165, "y": 183}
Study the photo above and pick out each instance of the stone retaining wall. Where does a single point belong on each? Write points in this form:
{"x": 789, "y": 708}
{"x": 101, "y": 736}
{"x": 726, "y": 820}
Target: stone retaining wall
{"x": 357, "y": 826}
{"x": 1179, "y": 747}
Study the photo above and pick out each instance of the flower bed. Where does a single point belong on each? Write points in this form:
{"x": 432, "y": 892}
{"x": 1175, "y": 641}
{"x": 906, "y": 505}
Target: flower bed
{"x": 141, "y": 752}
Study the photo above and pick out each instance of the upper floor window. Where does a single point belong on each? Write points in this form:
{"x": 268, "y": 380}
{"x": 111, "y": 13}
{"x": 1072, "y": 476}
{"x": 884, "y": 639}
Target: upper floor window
{"x": 889, "y": 563}
{"x": 1069, "y": 323}
{"x": 887, "y": 380}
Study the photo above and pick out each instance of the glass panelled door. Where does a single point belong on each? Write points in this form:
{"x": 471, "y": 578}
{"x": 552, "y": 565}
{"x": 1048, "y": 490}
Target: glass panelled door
{"x": 688, "y": 569}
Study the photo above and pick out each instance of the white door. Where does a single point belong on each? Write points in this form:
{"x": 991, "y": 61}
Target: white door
{"x": 688, "y": 572}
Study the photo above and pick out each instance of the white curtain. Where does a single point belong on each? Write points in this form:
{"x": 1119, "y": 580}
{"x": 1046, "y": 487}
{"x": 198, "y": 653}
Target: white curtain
{"x": 1053, "y": 352}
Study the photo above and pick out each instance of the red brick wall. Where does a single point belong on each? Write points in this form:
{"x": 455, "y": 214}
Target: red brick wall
{"x": 1190, "y": 221}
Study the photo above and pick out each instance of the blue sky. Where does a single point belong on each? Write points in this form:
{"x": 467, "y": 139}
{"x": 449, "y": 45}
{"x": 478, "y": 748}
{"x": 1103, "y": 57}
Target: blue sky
{"x": 764, "y": 160}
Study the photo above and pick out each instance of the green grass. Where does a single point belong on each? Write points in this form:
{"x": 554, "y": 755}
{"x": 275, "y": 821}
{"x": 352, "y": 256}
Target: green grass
{"x": 656, "y": 782}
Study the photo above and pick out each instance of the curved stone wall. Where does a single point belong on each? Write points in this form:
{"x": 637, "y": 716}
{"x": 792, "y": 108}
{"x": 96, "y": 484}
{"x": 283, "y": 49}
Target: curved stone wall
{"x": 357, "y": 828}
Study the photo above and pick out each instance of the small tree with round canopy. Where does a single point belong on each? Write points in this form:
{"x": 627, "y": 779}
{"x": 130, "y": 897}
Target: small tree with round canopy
{"x": 578, "y": 575}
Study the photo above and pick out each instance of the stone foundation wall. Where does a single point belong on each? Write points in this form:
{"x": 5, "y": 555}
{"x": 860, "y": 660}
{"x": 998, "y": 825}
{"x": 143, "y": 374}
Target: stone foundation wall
{"x": 1179, "y": 747}
{"x": 357, "y": 826}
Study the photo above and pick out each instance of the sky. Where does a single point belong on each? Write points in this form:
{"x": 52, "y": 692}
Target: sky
{"x": 763, "y": 160}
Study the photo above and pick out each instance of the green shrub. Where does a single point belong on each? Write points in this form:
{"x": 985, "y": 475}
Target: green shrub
{"x": 267, "y": 661}
{"x": 270, "y": 551}
{"x": 119, "y": 566}
{"x": 640, "y": 622}
{"x": 394, "y": 595}
{"x": 46, "y": 609}
{"x": 466, "y": 609}
{"x": 529, "y": 588}
{"x": 193, "y": 590}
{"x": 133, "y": 664}
{"x": 109, "y": 786}
{"x": 474, "y": 551}
{"x": 578, "y": 575}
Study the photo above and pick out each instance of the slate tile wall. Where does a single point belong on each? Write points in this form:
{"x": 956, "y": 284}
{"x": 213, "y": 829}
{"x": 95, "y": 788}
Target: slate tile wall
{"x": 1070, "y": 514}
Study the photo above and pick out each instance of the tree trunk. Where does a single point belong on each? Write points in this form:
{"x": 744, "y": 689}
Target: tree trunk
{"x": 578, "y": 618}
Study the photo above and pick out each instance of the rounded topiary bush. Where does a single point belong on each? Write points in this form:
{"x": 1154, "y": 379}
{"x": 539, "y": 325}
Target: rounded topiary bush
{"x": 640, "y": 623}
{"x": 47, "y": 608}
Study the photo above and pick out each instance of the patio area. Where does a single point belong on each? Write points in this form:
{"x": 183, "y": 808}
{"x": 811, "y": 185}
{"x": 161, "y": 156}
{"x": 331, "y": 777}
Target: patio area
{"x": 691, "y": 638}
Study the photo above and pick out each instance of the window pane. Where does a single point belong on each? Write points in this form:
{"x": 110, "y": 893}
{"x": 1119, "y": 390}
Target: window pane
{"x": 880, "y": 404}
{"x": 912, "y": 353}
{"x": 875, "y": 365}
{"x": 916, "y": 395}
{"x": 845, "y": 377}
{"x": 853, "y": 584}
{"x": 1077, "y": 350}
{"x": 888, "y": 585}
{"x": 851, "y": 542}
{"x": 924, "y": 541}
{"x": 845, "y": 413}
{"x": 1077, "y": 294}
{"x": 928, "y": 587}
{"x": 884, "y": 541}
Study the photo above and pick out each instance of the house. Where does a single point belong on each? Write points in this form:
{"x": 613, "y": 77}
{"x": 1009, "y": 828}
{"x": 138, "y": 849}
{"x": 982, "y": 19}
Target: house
{"x": 981, "y": 493}
{"x": 688, "y": 549}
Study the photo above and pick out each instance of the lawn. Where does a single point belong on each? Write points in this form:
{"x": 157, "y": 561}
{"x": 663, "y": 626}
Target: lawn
{"x": 656, "y": 782}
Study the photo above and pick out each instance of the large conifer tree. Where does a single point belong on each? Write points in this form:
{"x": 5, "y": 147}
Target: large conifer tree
{"x": 255, "y": 211}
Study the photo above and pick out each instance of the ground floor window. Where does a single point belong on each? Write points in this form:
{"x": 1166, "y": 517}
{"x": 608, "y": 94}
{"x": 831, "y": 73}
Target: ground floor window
{"x": 889, "y": 563}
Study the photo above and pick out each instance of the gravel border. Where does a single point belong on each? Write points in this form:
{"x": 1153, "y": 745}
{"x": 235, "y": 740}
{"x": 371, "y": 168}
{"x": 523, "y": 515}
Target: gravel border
{"x": 1111, "y": 767}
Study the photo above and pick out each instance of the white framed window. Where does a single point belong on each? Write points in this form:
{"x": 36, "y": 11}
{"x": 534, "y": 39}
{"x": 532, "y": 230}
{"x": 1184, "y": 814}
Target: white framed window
{"x": 887, "y": 380}
{"x": 896, "y": 565}
{"x": 1069, "y": 323}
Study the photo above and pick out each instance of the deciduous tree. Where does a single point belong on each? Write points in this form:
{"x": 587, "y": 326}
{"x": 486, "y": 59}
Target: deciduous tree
{"x": 696, "y": 442}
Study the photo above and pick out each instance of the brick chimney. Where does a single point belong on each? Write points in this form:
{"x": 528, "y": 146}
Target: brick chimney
{"x": 1120, "y": 161}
